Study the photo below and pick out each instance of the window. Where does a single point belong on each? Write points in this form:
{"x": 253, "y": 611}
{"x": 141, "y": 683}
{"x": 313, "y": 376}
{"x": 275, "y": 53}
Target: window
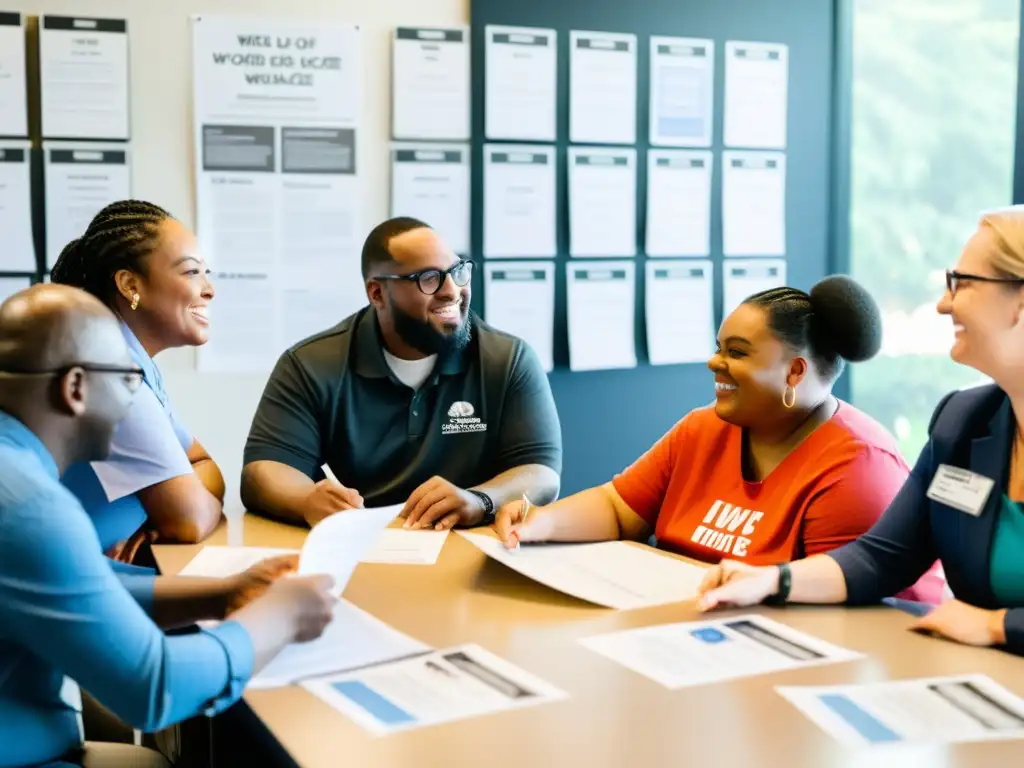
{"x": 934, "y": 109}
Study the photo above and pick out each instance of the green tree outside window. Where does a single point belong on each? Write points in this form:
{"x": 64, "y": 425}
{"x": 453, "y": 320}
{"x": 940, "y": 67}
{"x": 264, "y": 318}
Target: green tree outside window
{"x": 934, "y": 109}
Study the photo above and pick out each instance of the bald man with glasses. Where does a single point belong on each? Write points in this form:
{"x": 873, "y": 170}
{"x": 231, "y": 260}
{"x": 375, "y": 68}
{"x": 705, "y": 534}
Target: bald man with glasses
{"x": 412, "y": 400}
{"x": 66, "y": 380}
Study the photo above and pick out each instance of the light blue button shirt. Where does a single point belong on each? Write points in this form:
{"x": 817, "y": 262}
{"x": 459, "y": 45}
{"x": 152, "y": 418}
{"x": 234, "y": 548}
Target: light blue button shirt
{"x": 149, "y": 447}
{"x": 64, "y": 611}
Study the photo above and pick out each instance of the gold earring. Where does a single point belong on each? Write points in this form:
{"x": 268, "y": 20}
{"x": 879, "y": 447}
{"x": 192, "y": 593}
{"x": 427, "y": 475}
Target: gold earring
{"x": 135, "y": 301}
{"x": 789, "y": 397}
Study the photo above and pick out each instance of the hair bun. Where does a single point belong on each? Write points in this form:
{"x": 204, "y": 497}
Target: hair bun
{"x": 847, "y": 319}
{"x": 68, "y": 268}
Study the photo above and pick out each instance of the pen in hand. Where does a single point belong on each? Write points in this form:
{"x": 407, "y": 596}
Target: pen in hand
{"x": 329, "y": 474}
{"x": 527, "y": 506}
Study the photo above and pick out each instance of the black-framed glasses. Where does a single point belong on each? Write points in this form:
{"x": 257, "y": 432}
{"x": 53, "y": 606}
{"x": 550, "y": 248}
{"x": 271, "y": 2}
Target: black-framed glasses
{"x": 132, "y": 375}
{"x": 954, "y": 278}
{"x": 431, "y": 280}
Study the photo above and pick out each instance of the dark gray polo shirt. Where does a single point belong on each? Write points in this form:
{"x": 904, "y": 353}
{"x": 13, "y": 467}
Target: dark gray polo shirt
{"x": 333, "y": 398}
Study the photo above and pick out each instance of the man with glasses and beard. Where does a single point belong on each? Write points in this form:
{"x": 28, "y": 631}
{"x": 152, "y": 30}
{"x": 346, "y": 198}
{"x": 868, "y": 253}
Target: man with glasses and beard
{"x": 412, "y": 400}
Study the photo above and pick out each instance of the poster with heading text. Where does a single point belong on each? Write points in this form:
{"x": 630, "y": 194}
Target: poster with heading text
{"x": 276, "y": 110}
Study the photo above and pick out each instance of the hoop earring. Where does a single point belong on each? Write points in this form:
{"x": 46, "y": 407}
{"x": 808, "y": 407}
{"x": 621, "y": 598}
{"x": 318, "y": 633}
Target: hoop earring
{"x": 135, "y": 301}
{"x": 789, "y": 397}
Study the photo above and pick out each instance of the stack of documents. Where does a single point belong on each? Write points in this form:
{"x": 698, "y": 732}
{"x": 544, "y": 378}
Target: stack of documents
{"x": 610, "y": 573}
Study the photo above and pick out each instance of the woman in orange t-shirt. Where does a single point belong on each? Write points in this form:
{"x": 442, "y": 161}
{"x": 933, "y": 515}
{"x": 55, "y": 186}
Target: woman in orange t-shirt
{"x": 778, "y": 469}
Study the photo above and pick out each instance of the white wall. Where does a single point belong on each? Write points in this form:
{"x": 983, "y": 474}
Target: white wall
{"x": 219, "y": 407}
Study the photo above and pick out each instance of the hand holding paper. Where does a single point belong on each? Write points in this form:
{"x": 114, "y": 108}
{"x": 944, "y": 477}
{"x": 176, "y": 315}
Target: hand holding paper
{"x": 336, "y": 544}
{"x": 253, "y": 582}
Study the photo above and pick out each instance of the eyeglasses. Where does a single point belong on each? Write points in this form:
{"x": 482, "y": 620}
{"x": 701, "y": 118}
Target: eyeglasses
{"x": 954, "y": 278}
{"x": 431, "y": 280}
{"x": 132, "y": 375}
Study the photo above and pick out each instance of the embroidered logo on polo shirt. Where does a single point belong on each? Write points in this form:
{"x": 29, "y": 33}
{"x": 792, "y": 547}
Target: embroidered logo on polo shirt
{"x": 461, "y": 420}
{"x": 720, "y": 529}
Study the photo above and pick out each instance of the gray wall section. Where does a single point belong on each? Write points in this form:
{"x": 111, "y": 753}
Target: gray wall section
{"x": 610, "y": 417}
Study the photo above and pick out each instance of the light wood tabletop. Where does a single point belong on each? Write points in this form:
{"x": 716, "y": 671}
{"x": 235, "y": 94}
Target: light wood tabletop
{"x": 613, "y": 716}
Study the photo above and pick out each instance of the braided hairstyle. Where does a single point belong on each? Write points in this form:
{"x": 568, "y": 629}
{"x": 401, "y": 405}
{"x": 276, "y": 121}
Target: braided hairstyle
{"x": 838, "y": 321}
{"x": 117, "y": 238}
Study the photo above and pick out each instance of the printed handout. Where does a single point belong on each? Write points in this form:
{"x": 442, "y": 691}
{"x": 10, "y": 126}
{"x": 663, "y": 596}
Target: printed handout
{"x": 937, "y": 710}
{"x": 702, "y": 652}
{"x": 434, "y": 688}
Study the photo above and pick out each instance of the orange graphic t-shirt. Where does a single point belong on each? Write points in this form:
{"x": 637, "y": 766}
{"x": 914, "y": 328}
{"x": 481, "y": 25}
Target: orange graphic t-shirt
{"x": 830, "y": 489}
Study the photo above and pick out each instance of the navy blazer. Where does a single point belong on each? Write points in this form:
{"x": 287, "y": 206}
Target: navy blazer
{"x": 972, "y": 429}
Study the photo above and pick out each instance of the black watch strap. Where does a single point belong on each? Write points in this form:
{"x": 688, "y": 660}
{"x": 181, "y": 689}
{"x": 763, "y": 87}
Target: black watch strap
{"x": 488, "y": 503}
{"x": 785, "y": 584}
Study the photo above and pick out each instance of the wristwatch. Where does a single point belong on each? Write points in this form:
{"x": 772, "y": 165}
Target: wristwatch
{"x": 488, "y": 503}
{"x": 785, "y": 583}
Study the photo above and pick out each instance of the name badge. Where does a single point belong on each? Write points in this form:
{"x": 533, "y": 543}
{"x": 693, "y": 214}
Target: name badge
{"x": 960, "y": 489}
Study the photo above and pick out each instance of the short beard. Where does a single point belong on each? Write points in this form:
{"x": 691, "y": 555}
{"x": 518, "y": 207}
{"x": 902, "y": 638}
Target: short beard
{"x": 424, "y": 338}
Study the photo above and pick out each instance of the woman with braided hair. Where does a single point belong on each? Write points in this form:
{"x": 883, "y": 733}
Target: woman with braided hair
{"x": 158, "y": 482}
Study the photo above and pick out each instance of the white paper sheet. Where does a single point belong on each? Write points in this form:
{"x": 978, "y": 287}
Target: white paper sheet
{"x": 83, "y": 73}
{"x": 678, "y": 202}
{"x": 276, "y": 111}
{"x": 431, "y": 183}
{"x": 18, "y": 253}
{"x": 602, "y": 87}
{"x": 756, "y": 94}
{"x": 680, "y": 312}
{"x": 609, "y": 573}
{"x": 81, "y": 179}
{"x": 704, "y": 652}
{"x": 392, "y": 546}
{"x": 430, "y": 83}
{"x": 400, "y": 547}
{"x": 337, "y": 543}
{"x": 12, "y": 285}
{"x": 520, "y": 299}
{"x": 601, "y": 304}
{"x": 520, "y": 84}
{"x": 682, "y": 91}
{"x": 602, "y": 202}
{"x": 352, "y": 640}
{"x": 744, "y": 278}
{"x": 753, "y": 204}
{"x": 519, "y": 201}
{"x": 220, "y": 562}
{"x": 936, "y": 710}
{"x": 441, "y": 687}
{"x": 13, "y": 89}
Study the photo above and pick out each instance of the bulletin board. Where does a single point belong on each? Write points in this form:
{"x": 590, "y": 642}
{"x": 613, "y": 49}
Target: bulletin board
{"x": 611, "y": 417}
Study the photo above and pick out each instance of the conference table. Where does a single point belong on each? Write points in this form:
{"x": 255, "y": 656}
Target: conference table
{"x": 613, "y": 716}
